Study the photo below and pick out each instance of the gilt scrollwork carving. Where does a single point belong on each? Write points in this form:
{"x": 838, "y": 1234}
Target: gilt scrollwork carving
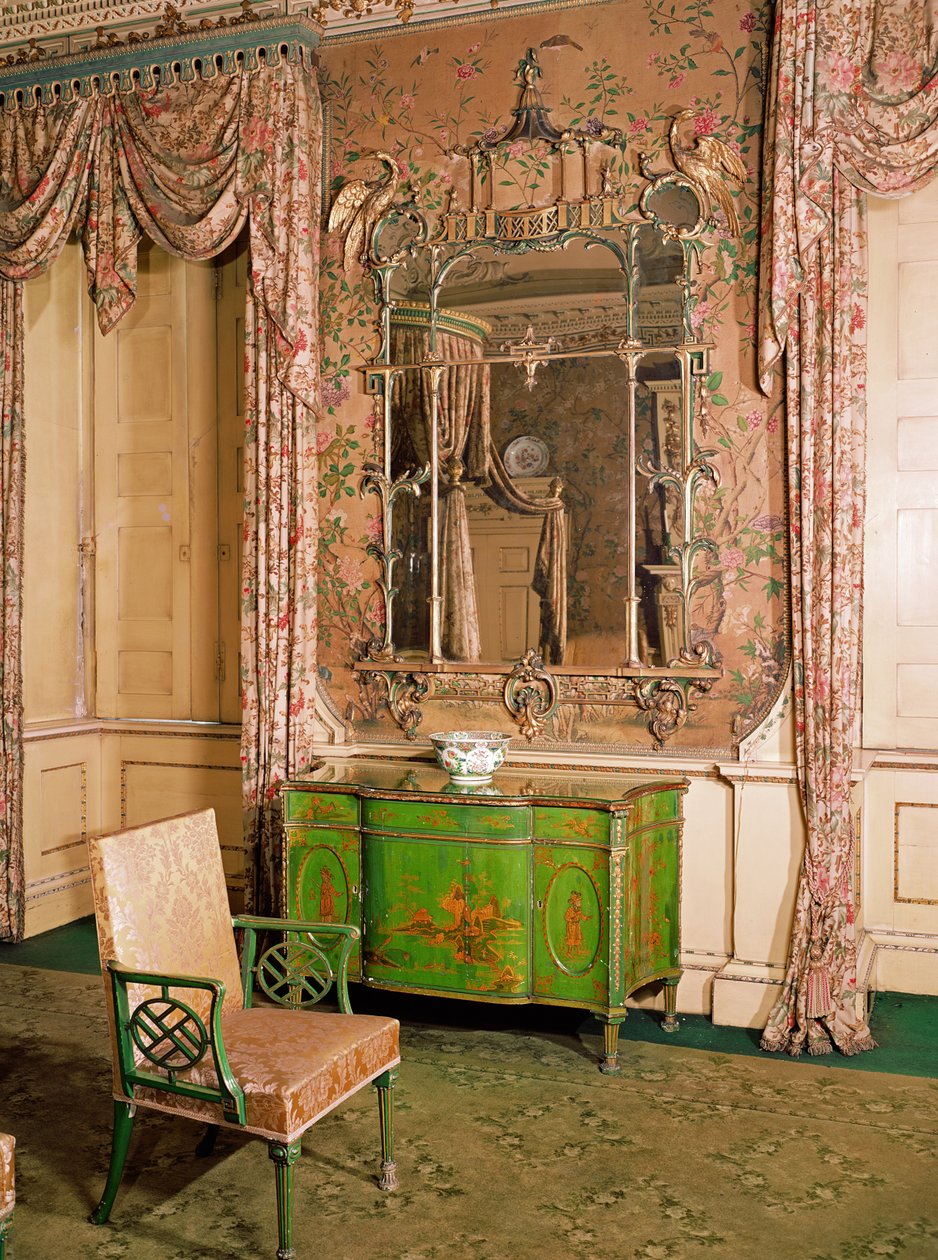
{"x": 669, "y": 701}
{"x": 405, "y": 692}
{"x": 530, "y": 694}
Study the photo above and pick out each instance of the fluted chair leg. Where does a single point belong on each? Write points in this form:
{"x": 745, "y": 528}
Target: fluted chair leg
{"x": 284, "y": 1156}
{"x": 384, "y": 1084}
{"x": 120, "y": 1144}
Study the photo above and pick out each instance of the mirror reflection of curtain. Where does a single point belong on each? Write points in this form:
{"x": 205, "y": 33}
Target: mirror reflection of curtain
{"x": 188, "y": 164}
{"x": 463, "y": 450}
{"x": 466, "y": 453}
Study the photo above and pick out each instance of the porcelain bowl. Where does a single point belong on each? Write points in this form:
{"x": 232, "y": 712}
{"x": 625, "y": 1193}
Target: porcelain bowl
{"x": 470, "y": 757}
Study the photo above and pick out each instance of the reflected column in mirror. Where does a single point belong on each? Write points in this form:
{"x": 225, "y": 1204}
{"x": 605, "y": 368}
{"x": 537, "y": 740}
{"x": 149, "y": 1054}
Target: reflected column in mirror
{"x": 410, "y": 535}
{"x": 659, "y": 518}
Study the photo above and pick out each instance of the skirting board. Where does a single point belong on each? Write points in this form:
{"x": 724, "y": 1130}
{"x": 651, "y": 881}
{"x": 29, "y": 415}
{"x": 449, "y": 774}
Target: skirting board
{"x": 898, "y": 962}
{"x": 744, "y": 994}
{"x": 695, "y": 991}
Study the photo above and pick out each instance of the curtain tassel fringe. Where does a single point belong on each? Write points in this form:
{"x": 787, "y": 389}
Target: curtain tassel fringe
{"x": 819, "y": 1002}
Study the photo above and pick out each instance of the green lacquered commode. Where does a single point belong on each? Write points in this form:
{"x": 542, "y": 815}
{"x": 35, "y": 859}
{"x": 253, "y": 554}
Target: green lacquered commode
{"x": 562, "y": 888}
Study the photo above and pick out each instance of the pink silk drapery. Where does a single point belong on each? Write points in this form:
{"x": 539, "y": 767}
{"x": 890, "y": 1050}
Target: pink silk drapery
{"x": 852, "y": 108}
{"x": 188, "y": 165}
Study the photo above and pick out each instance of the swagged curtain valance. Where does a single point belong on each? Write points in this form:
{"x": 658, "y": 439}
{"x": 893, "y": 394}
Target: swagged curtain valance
{"x": 187, "y": 164}
{"x": 466, "y": 451}
{"x": 852, "y": 108}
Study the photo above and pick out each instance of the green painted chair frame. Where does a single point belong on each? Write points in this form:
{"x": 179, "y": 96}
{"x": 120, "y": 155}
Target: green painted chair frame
{"x": 297, "y": 972}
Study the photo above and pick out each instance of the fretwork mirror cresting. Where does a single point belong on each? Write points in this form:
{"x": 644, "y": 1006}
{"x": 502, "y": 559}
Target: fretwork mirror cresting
{"x": 540, "y": 387}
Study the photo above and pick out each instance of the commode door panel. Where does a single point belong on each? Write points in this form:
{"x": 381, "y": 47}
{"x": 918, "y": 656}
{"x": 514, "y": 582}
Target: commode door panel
{"x": 447, "y": 915}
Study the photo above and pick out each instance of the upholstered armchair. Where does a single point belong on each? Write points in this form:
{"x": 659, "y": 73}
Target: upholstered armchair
{"x": 187, "y": 1037}
{"x": 7, "y": 1189}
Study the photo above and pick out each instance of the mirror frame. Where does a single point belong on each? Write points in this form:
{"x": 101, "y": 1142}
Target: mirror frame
{"x": 527, "y": 689}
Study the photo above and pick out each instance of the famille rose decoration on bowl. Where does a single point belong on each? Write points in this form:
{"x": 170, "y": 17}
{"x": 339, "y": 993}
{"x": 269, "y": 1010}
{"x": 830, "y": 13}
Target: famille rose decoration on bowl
{"x": 470, "y": 757}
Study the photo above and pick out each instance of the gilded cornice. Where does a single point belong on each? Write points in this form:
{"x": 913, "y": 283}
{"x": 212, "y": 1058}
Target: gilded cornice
{"x": 172, "y": 49}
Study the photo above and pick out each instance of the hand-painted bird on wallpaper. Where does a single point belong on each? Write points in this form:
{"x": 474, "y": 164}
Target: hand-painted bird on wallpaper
{"x": 710, "y": 163}
{"x": 359, "y": 205}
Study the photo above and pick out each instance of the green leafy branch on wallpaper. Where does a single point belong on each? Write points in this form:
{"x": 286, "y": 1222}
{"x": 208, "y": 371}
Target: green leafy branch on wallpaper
{"x": 346, "y": 597}
{"x": 697, "y": 19}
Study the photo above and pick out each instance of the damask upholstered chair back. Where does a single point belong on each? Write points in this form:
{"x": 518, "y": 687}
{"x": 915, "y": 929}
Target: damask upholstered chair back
{"x": 161, "y": 904}
{"x": 187, "y": 1036}
{"x": 7, "y": 1188}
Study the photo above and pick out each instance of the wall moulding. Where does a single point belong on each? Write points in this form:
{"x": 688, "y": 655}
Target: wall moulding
{"x": 46, "y": 29}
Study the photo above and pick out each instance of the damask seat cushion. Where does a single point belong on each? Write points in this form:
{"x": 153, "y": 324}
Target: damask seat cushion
{"x": 7, "y": 1184}
{"x": 294, "y": 1066}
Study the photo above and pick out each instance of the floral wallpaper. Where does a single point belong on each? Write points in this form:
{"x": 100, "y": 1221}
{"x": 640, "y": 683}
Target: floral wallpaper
{"x": 417, "y": 93}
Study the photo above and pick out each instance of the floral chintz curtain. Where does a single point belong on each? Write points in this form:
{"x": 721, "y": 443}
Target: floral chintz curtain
{"x": 188, "y": 165}
{"x": 852, "y": 108}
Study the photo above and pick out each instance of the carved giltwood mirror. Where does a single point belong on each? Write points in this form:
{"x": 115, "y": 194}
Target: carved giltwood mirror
{"x": 542, "y": 386}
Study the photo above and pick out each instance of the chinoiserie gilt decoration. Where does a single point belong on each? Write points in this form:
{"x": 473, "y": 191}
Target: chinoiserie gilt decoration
{"x": 708, "y": 163}
{"x": 360, "y": 206}
{"x": 580, "y": 293}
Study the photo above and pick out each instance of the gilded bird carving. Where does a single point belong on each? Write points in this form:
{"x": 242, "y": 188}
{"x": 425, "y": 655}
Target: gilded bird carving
{"x": 359, "y": 205}
{"x": 709, "y": 163}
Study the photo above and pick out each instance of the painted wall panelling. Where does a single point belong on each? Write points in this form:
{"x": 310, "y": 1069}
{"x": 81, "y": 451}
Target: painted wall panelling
{"x": 152, "y": 459}
{"x": 58, "y": 492}
{"x": 899, "y": 834}
{"x": 901, "y": 619}
{"x": 154, "y": 407}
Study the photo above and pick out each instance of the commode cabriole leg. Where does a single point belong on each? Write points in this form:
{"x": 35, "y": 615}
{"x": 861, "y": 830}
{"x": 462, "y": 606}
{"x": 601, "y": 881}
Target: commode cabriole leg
{"x": 284, "y": 1156}
{"x": 670, "y": 1022}
{"x": 384, "y": 1085}
{"x": 609, "y": 1063}
{"x": 120, "y": 1144}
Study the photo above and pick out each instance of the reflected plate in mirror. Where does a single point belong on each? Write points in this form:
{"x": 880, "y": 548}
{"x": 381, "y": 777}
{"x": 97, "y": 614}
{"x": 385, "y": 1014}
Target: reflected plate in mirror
{"x": 526, "y": 457}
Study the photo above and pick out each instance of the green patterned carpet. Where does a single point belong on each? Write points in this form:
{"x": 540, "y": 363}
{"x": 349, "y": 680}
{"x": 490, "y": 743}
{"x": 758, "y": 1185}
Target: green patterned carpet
{"x": 510, "y": 1145}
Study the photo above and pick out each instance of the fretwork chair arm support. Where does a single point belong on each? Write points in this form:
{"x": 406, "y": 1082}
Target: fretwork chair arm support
{"x": 298, "y": 971}
{"x": 168, "y": 1033}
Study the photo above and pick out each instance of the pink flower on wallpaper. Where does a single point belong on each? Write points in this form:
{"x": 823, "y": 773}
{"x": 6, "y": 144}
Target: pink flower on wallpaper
{"x": 771, "y": 425}
{"x": 324, "y": 439}
{"x": 748, "y": 21}
{"x": 733, "y": 558}
{"x": 466, "y": 72}
{"x": 841, "y": 72}
{"x": 516, "y": 148}
{"x": 334, "y": 393}
{"x": 705, "y": 123}
{"x": 374, "y": 529}
{"x": 638, "y": 125}
{"x": 753, "y": 419}
{"x": 472, "y": 49}
{"x": 652, "y": 58}
{"x": 407, "y": 100}
{"x": 700, "y": 314}
{"x": 349, "y": 571}
{"x": 676, "y": 80}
